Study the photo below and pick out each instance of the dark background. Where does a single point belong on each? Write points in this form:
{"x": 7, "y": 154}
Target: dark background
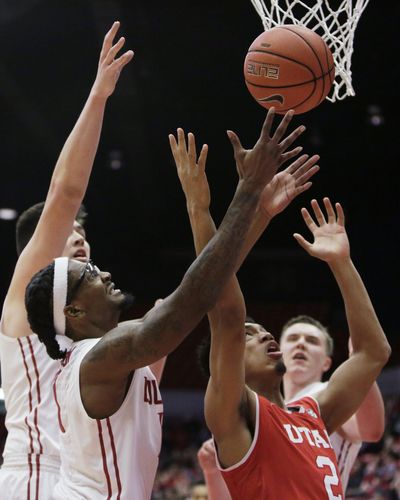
{"x": 187, "y": 71}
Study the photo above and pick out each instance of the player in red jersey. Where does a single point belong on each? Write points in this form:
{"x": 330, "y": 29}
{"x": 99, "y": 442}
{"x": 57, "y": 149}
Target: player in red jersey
{"x": 265, "y": 448}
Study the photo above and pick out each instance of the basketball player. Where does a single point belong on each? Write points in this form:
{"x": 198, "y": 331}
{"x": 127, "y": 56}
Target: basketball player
{"x": 110, "y": 409}
{"x": 31, "y": 455}
{"x": 307, "y": 348}
{"x": 265, "y": 448}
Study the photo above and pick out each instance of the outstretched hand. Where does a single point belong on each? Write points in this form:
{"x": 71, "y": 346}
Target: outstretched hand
{"x": 110, "y": 68}
{"x": 288, "y": 184}
{"x": 330, "y": 238}
{"x": 191, "y": 169}
{"x": 259, "y": 165}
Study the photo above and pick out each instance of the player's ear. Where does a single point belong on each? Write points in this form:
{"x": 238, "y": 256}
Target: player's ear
{"x": 327, "y": 364}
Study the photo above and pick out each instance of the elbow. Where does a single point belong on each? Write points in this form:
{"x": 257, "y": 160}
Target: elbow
{"x": 71, "y": 191}
{"x": 374, "y": 435}
{"x": 386, "y": 352}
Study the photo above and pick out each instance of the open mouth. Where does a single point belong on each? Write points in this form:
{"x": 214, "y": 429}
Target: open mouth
{"x": 112, "y": 290}
{"x": 80, "y": 255}
{"x": 300, "y": 355}
{"x": 273, "y": 351}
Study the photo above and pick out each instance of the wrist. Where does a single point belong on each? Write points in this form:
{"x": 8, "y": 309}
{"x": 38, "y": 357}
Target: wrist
{"x": 195, "y": 208}
{"x": 98, "y": 95}
{"x": 340, "y": 264}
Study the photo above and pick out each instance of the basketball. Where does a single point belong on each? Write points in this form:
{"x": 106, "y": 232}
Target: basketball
{"x": 289, "y": 67}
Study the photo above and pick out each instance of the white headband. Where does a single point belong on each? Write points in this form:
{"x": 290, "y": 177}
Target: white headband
{"x": 60, "y": 288}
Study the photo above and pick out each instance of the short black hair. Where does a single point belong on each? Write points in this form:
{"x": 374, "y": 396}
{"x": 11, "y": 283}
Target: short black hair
{"x": 28, "y": 220}
{"x": 39, "y": 307}
{"x": 303, "y": 318}
{"x": 203, "y": 351}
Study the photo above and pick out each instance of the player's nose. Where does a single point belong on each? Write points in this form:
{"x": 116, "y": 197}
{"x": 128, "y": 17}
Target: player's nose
{"x": 265, "y": 336}
{"x": 79, "y": 240}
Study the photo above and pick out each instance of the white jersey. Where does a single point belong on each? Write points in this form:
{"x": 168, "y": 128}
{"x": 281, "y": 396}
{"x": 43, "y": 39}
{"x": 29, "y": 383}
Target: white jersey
{"x": 346, "y": 451}
{"x": 115, "y": 457}
{"x": 32, "y": 444}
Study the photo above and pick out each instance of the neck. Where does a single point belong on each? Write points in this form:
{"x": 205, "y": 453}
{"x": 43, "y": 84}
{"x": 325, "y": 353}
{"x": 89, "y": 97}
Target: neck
{"x": 272, "y": 392}
{"x": 291, "y": 387}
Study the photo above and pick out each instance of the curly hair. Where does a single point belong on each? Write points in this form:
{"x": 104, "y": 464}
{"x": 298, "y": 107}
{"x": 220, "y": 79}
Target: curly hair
{"x": 28, "y": 220}
{"x": 303, "y": 318}
{"x": 39, "y": 307}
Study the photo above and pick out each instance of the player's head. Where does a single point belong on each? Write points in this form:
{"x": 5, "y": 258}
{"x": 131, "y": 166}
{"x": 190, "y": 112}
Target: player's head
{"x": 198, "y": 492}
{"x": 74, "y": 299}
{"x": 263, "y": 361}
{"x": 263, "y": 357}
{"x": 76, "y": 246}
{"x": 307, "y": 349}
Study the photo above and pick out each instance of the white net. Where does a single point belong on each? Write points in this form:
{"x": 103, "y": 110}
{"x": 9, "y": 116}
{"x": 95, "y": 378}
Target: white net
{"x": 335, "y": 24}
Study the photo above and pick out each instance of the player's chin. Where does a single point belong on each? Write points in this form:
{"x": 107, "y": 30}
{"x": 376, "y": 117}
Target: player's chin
{"x": 280, "y": 368}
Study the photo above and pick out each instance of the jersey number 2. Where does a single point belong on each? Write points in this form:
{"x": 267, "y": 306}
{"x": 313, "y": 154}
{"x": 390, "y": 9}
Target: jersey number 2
{"x": 329, "y": 479}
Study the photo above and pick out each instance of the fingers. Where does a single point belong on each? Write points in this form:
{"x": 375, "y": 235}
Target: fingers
{"x": 124, "y": 59}
{"x": 291, "y": 154}
{"x": 108, "y": 40}
{"x": 329, "y": 210}
{"x": 289, "y": 140}
{"x": 318, "y": 212}
{"x": 340, "y": 214}
{"x": 174, "y": 148}
{"x": 280, "y": 131}
{"x": 114, "y": 50}
{"x": 235, "y": 141}
{"x": 302, "y": 242}
{"x": 308, "y": 220}
{"x": 192, "y": 148}
{"x": 203, "y": 158}
{"x": 305, "y": 171}
{"x": 266, "y": 128}
{"x": 185, "y": 156}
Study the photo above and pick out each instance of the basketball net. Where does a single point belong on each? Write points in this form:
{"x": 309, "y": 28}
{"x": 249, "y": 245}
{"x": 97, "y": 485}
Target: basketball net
{"x": 336, "y": 25}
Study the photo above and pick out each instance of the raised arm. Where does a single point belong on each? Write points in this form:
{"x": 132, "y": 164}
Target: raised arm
{"x": 227, "y": 317}
{"x": 368, "y": 423}
{"x": 351, "y": 382}
{"x": 166, "y": 325}
{"x": 68, "y": 184}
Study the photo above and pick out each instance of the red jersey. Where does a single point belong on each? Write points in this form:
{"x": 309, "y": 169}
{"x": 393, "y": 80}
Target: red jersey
{"x": 290, "y": 457}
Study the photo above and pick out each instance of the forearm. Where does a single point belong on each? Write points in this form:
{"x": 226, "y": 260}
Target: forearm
{"x": 74, "y": 165}
{"x": 202, "y": 225}
{"x": 216, "y": 486}
{"x": 257, "y": 227}
{"x": 219, "y": 260}
{"x": 365, "y": 330}
{"x": 370, "y": 416}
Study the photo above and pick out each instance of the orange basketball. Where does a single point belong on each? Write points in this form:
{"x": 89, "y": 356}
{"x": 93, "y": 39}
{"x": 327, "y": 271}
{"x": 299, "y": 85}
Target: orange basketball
{"x": 289, "y": 67}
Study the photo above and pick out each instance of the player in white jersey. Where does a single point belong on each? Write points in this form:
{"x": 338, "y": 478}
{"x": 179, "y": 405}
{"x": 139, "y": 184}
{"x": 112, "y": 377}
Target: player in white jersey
{"x": 103, "y": 375}
{"x": 31, "y": 456}
{"x": 307, "y": 349}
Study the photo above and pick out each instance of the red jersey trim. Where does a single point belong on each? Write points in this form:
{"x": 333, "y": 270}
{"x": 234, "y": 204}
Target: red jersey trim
{"x": 104, "y": 458}
{"x": 115, "y": 460}
{"x": 252, "y": 446}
